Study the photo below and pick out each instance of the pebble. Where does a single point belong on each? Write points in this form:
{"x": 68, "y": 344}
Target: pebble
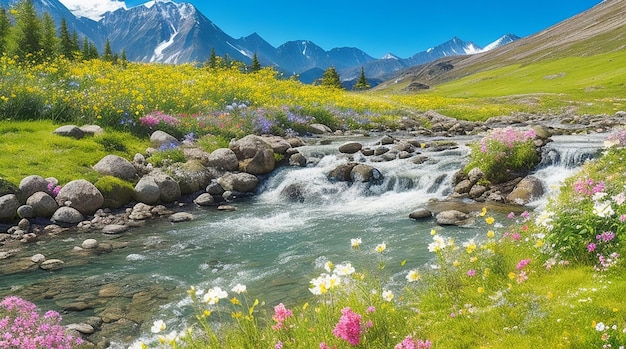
{"x": 38, "y": 258}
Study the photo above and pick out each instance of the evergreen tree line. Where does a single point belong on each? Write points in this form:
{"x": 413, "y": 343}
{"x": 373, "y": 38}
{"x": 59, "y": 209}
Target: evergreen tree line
{"x": 26, "y": 35}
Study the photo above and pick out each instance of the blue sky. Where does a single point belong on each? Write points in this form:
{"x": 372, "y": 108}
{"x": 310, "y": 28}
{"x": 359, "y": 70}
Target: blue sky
{"x": 402, "y": 28}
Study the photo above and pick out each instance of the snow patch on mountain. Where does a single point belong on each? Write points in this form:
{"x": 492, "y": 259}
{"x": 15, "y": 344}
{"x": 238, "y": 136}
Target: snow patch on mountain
{"x": 158, "y": 51}
{"x": 93, "y": 9}
{"x": 471, "y": 49}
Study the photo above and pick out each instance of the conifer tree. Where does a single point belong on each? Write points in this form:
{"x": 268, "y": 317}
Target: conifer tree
{"x": 107, "y": 55}
{"x": 93, "y": 51}
{"x": 49, "y": 39}
{"x": 65, "y": 40}
{"x": 256, "y": 66}
{"x": 331, "y": 78}
{"x": 361, "y": 83}
{"x": 75, "y": 42}
{"x": 27, "y": 29}
{"x": 212, "y": 59}
{"x": 5, "y": 26}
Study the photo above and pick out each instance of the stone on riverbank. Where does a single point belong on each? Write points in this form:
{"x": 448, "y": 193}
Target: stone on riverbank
{"x": 8, "y": 207}
{"x": 239, "y": 182}
{"x": 528, "y": 189}
{"x": 67, "y": 215}
{"x": 147, "y": 191}
{"x": 81, "y": 195}
{"x": 71, "y": 131}
{"x": 43, "y": 204}
{"x": 30, "y": 185}
{"x": 180, "y": 217}
{"x": 159, "y": 138}
{"x": 116, "y": 166}
{"x": 255, "y": 155}
{"x": 223, "y": 159}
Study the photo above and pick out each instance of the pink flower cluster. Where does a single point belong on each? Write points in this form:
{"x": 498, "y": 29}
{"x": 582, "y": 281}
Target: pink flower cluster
{"x": 281, "y": 313}
{"x": 508, "y": 137}
{"x": 522, "y": 264}
{"x": 156, "y": 117}
{"x": 588, "y": 186}
{"x": 349, "y": 327}
{"x": 410, "y": 343}
{"x": 21, "y": 326}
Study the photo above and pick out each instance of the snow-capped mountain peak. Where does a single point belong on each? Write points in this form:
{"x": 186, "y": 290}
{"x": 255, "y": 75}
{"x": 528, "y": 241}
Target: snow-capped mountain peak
{"x": 93, "y": 9}
{"x": 389, "y": 56}
{"x": 503, "y": 40}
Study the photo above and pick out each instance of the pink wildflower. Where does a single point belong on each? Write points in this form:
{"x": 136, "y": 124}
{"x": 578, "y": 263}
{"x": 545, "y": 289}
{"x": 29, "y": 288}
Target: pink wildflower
{"x": 525, "y": 214}
{"x": 515, "y": 236}
{"x": 349, "y": 326}
{"x": 591, "y": 247}
{"x": 471, "y": 272}
{"x": 523, "y": 263}
{"x": 605, "y": 236}
{"x": 622, "y": 218}
{"x": 370, "y": 309}
{"x": 280, "y": 315}
{"x": 522, "y": 277}
{"x": 410, "y": 343}
{"x": 279, "y": 345}
{"x": 511, "y": 215}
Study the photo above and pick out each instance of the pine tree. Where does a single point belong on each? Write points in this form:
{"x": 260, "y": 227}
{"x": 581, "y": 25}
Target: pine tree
{"x": 27, "y": 29}
{"x": 362, "y": 84}
{"x": 256, "y": 66}
{"x": 85, "y": 50}
{"x": 75, "y": 42}
{"x": 108, "y": 53}
{"x": 331, "y": 78}
{"x": 49, "y": 41}
{"x": 212, "y": 63}
{"x": 5, "y": 26}
{"x": 65, "y": 41}
{"x": 93, "y": 51}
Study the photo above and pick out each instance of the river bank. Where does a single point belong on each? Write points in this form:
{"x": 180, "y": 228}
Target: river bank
{"x": 120, "y": 308}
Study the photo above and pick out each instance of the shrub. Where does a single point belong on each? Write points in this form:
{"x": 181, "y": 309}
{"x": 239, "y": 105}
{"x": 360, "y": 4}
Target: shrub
{"x": 504, "y": 153}
{"x": 167, "y": 154}
{"x": 21, "y": 326}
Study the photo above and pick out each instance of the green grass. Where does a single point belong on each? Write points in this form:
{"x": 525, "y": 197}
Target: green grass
{"x": 30, "y": 148}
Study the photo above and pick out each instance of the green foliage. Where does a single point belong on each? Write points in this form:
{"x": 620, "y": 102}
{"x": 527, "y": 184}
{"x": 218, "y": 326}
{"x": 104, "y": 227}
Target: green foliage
{"x": 255, "y": 66}
{"x": 27, "y": 30}
{"x": 504, "y": 154}
{"x": 330, "y": 78}
{"x": 116, "y": 192}
{"x": 31, "y": 148}
{"x": 166, "y": 156}
{"x": 210, "y": 143}
{"x": 362, "y": 83}
{"x": 586, "y": 221}
{"x": 113, "y": 143}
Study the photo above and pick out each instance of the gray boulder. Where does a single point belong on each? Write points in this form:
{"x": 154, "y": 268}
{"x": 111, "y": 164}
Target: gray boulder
{"x": 365, "y": 173}
{"x": 8, "y": 207}
{"x": 81, "y": 195}
{"x": 32, "y": 184}
{"x": 319, "y": 129}
{"x": 92, "y": 130}
{"x": 451, "y": 217}
{"x": 350, "y": 147}
{"x": 68, "y": 215}
{"x": 255, "y": 155}
{"x": 342, "y": 172}
{"x": 43, "y": 204}
{"x": 160, "y": 138}
{"x": 25, "y": 211}
{"x": 223, "y": 159}
{"x": 297, "y": 160}
{"x": 528, "y": 189}
{"x": 238, "y": 182}
{"x": 70, "y": 131}
{"x": 215, "y": 188}
{"x": 7, "y": 187}
{"x": 279, "y": 145}
{"x": 147, "y": 190}
{"x": 116, "y": 166}
{"x": 180, "y": 217}
{"x": 168, "y": 187}
{"x": 421, "y": 213}
{"x": 204, "y": 199}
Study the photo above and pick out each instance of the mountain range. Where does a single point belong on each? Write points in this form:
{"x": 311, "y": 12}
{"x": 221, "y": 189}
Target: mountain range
{"x": 170, "y": 32}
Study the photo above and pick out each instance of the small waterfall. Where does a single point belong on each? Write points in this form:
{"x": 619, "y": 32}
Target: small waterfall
{"x": 562, "y": 158}
{"x": 571, "y": 151}
{"x": 405, "y": 183}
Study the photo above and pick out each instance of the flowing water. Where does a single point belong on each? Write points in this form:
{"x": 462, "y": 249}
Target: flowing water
{"x": 274, "y": 245}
